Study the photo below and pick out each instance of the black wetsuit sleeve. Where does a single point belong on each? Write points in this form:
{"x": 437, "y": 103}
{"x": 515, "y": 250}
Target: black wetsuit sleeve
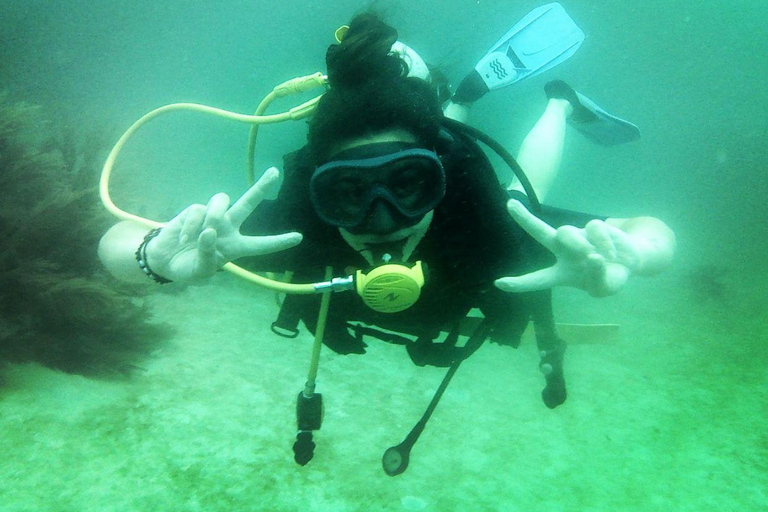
{"x": 291, "y": 211}
{"x": 277, "y": 216}
{"x": 556, "y": 217}
{"x": 269, "y": 218}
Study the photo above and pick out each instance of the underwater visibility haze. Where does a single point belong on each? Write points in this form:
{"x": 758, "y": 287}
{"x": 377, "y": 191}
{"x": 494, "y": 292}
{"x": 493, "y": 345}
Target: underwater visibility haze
{"x": 113, "y": 398}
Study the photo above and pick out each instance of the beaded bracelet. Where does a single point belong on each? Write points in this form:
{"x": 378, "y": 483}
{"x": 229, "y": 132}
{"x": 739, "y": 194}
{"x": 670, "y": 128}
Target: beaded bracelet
{"x": 141, "y": 258}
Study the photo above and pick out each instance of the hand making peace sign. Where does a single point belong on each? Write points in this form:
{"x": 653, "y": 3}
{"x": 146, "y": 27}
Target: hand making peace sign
{"x": 598, "y": 258}
{"x": 202, "y": 238}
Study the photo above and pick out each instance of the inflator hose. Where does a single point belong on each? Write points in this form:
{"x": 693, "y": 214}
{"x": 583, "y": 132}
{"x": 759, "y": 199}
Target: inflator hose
{"x": 474, "y": 133}
{"x": 295, "y": 113}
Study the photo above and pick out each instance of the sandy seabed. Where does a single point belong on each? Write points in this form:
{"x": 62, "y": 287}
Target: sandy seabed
{"x": 672, "y": 417}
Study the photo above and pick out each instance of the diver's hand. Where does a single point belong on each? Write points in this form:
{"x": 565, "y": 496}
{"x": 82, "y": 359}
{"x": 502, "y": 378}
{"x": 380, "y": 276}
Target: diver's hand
{"x": 598, "y": 258}
{"x": 202, "y": 238}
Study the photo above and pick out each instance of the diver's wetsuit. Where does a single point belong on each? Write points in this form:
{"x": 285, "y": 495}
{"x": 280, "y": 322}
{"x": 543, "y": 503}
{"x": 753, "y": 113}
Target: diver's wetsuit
{"x": 471, "y": 242}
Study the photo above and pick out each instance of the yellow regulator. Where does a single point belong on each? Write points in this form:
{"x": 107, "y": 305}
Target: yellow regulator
{"x": 390, "y": 288}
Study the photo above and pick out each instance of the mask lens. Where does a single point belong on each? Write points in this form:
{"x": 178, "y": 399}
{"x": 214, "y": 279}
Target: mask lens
{"x": 342, "y": 196}
{"x": 412, "y": 181}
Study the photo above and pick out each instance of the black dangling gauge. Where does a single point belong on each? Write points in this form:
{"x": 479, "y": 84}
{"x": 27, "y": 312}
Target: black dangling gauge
{"x": 396, "y": 458}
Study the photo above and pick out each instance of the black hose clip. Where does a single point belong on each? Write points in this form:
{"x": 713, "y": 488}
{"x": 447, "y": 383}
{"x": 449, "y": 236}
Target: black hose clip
{"x": 309, "y": 417}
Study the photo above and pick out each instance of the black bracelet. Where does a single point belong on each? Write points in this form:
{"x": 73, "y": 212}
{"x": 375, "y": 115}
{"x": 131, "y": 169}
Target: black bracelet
{"x": 141, "y": 258}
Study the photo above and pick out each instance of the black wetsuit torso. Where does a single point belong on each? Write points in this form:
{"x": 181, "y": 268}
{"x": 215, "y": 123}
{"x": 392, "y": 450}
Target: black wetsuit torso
{"x": 471, "y": 241}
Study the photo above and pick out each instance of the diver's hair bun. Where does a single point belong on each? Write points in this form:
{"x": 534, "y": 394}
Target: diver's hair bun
{"x": 364, "y": 54}
{"x": 370, "y": 92}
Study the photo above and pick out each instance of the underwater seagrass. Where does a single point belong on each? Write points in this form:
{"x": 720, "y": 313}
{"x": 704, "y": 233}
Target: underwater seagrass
{"x": 57, "y": 306}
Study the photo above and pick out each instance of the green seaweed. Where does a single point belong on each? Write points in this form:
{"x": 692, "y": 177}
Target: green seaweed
{"x": 58, "y": 306}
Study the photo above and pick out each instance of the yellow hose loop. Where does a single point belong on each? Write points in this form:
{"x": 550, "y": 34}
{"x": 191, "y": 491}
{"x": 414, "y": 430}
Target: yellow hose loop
{"x": 322, "y": 316}
{"x": 106, "y": 174}
{"x": 300, "y": 84}
{"x": 278, "y": 286}
{"x": 293, "y": 86}
{"x": 175, "y": 107}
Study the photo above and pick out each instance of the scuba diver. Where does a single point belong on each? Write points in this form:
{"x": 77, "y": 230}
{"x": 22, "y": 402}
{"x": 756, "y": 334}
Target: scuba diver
{"x": 394, "y": 191}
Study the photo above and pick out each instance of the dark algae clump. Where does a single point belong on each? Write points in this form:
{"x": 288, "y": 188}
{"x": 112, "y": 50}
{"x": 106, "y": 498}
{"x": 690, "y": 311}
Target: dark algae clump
{"x": 57, "y": 306}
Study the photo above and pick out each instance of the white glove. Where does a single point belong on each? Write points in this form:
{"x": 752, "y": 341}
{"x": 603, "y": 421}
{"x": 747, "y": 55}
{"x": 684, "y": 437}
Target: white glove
{"x": 598, "y": 258}
{"x": 202, "y": 238}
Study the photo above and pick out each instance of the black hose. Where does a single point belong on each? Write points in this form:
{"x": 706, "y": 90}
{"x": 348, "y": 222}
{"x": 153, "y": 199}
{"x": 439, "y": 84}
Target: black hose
{"x": 475, "y": 134}
{"x": 395, "y": 460}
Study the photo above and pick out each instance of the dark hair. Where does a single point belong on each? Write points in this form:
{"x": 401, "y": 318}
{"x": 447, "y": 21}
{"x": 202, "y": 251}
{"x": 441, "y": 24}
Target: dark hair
{"x": 370, "y": 92}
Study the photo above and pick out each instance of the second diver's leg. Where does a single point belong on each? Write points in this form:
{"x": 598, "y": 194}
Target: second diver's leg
{"x": 542, "y": 149}
{"x": 457, "y": 111}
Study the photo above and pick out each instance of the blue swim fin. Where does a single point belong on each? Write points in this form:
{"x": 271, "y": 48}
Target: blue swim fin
{"x": 590, "y": 119}
{"x": 607, "y": 129}
{"x": 544, "y": 38}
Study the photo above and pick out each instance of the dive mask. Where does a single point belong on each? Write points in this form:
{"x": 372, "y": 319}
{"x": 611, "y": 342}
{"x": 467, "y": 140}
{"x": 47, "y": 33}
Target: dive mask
{"x": 410, "y": 180}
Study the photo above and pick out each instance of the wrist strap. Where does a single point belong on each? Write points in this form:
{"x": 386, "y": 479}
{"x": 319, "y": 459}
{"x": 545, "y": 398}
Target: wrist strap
{"x": 141, "y": 258}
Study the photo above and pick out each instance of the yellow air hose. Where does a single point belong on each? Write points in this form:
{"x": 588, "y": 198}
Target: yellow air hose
{"x": 295, "y": 86}
{"x": 322, "y": 316}
{"x": 299, "y": 112}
